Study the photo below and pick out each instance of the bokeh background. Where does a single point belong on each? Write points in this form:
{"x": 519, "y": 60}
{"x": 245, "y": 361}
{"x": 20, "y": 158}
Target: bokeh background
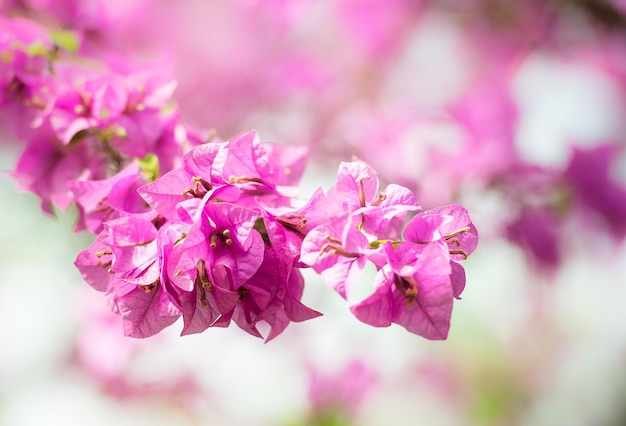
{"x": 514, "y": 109}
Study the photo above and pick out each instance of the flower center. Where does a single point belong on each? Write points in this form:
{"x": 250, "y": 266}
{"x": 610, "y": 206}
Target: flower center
{"x": 200, "y": 187}
{"x": 407, "y": 286}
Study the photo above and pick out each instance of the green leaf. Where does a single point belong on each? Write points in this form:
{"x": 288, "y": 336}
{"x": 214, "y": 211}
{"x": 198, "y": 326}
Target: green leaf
{"x": 35, "y": 49}
{"x": 149, "y": 166}
{"x": 66, "y": 40}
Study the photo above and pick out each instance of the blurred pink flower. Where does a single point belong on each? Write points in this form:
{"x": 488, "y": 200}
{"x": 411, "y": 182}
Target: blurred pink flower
{"x": 340, "y": 395}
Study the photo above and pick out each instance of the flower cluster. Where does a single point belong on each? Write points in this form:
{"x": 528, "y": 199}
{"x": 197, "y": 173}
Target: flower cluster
{"x": 418, "y": 275}
{"x": 226, "y": 239}
{"x": 208, "y": 230}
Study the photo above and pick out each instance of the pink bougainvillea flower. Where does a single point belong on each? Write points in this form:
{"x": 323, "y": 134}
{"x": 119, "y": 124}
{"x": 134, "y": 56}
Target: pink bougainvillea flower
{"x": 194, "y": 179}
{"x": 356, "y": 192}
{"x": 416, "y": 287}
{"x": 125, "y": 107}
{"x": 210, "y": 301}
{"x": 24, "y": 45}
{"x": 417, "y": 296}
{"x": 342, "y": 393}
{"x": 359, "y": 218}
{"x": 384, "y": 217}
{"x": 46, "y": 166}
{"x": 224, "y": 234}
{"x": 537, "y": 231}
{"x": 248, "y": 165}
{"x": 108, "y": 199}
{"x": 135, "y": 254}
{"x": 226, "y": 238}
{"x": 588, "y": 173}
{"x": 95, "y": 104}
{"x": 272, "y": 296}
{"x": 356, "y": 187}
{"x": 291, "y": 308}
{"x": 143, "y": 120}
{"x": 220, "y": 252}
{"x": 450, "y": 224}
{"x": 287, "y": 226}
{"x": 93, "y": 267}
{"x": 339, "y": 252}
{"x": 239, "y": 170}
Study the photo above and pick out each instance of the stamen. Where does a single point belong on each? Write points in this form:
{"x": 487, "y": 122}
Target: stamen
{"x": 335, "y": 247}
{"x": 148, "y": 288}
{"x": 104, "y": 265}
{"x": 295, "y": 222}
{"x": 103, "y": 252}
{"x": 454, "y": 241}
{"x": 199, "y": 181}
{"x": 362, "y": 191}
{"x": 205, "y": 283}
{"x": 200, "y": 187}
{"x": 107, "y": 214}
{"x": 223, "y": 236}
{"x": 460, "y": 252}
{"x": 458, "y": 232}
{"x": 244, "y": 179}
{"x": 101, "y": 207}
{"x": 202, "y": 281}
{"x": 203, "y": 301}
{"x": 379, "y": 199}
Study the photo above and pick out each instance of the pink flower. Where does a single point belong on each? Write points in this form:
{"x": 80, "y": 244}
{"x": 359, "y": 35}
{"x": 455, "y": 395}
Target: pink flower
{"x": 102, "y": 200}
{"x": 416, "y": 287}
{"x": 24, "y": 45}
{"x": 358, "y": 218}
{"x": 417, "y": 296}
{"x": 382, "y": 213}
{"x": 594, "y": 188}
{"x": 221, "y": 251}
{"x": 135, "y": 254}
{"x": 451, "y": 226}
{"x": 537, "y": 231}
{"x": 339, "y": 252}
{"x": 340, "y": 395}
{"x": 272, "y": 296}
{"x": 46, "y": 166}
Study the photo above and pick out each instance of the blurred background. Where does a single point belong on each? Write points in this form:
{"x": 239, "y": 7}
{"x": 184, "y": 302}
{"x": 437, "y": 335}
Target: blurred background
{"x": 514, "y": 109}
